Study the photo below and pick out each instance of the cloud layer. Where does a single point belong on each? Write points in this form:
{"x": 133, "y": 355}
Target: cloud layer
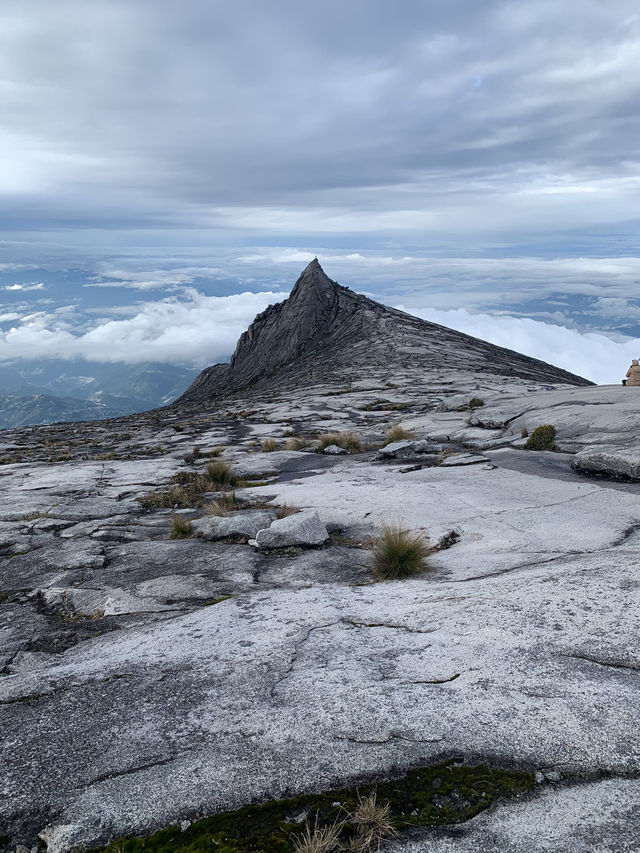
{"x": 202, "y": 330}
{"x": 450, "y": 122}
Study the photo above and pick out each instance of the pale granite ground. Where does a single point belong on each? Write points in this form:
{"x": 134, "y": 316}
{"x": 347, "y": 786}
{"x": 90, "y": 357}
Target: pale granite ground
{"x": 130, "y": 699}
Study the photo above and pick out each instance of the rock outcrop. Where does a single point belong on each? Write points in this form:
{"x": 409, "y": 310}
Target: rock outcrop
{"x": 325, "y": 333}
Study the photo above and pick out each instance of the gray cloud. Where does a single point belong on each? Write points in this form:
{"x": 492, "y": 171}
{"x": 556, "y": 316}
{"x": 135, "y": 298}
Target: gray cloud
{"x": 429, "y": 119}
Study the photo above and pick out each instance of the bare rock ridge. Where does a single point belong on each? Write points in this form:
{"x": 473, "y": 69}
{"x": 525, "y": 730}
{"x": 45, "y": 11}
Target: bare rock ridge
{"x": 325, "y": 332}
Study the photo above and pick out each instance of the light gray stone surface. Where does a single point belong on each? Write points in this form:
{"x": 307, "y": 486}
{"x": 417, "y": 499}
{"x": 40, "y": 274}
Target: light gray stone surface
{"x": 303, "y": 528}
{"x": 147, "y": 681}
{"x": 241, "y": 525}
{"x": 406, "y": 448}
{"x": 614, "y": 461}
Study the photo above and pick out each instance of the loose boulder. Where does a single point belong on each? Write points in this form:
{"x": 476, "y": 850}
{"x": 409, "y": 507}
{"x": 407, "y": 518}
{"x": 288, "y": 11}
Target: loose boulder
{"x": 611, "y": 461}
{"x": 241, "y": 527}
{"x": 405, "y": 449}
{"x": 303, "y": 528}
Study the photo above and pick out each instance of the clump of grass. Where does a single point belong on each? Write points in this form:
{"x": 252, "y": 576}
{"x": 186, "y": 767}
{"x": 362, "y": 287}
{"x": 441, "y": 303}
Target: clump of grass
{"x": 284, "y": 511}
{"x": 398, "y": 433}
{"x": 296, "y": 443}
{"x": 223, "y": 506}
{"x": 219, "y": 474}
{"x": 318, "y": 839}
{"x": 475, "y": 403}
{"x": 524, "y": 432}
{"x": 349, "y": 441}
{"x": 174, "y": 496}
{"x": 372, "y": 821}
{"x": 399, "y": 553}
{"x": 268, "y": 445}
{"x": 181, "y": 528}
{"x": 542, "y": 438}
{"x": 216, "y": 451}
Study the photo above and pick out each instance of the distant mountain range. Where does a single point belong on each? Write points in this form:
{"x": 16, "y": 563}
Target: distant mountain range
{"x": 39, "y": 392}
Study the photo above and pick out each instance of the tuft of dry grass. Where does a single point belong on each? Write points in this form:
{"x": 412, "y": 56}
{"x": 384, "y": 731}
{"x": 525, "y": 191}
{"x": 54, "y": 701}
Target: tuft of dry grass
{"x": 284, "y": 511}
{"x": 268, "y": 445}
{"x": 318, "y": 839}
{"x": 181, "y": 528}
{"x": 296, "y": 443}
{"x": 349, "y": 441}
{"x": 216, "y": 451}
{"x": 398, "y": 433}
{"x": 399, "y": 553}
{"x": 219, "y": 474}
{"x": 372, "y": 821}
{"x": 225, "y": 504}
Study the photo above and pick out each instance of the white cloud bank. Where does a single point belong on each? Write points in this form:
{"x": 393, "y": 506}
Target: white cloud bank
{"x": 204, "y": 329}
{"x": 195, "y": 328}
{"x": 592, "y": 355}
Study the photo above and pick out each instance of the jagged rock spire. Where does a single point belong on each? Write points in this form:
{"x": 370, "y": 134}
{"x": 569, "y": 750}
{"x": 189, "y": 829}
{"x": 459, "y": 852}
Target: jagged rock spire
{"x": 324, "y": 331}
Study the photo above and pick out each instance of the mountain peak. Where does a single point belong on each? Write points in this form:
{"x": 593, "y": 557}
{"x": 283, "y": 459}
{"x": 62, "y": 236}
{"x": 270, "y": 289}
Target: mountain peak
{"x": 313, "y": 279}
{"x": 325, "y": 333}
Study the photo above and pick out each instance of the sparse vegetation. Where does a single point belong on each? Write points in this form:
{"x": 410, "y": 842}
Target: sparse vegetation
{"x": 542, "y": 438}
{"x": 216, "y": 451}
{"x": 475, "y": 403}
{"x": 181, "y": 527}
{"x": 524, "y": 432}
{"x": 438, "y": 795}
{"x": 318, "y": 839}
{"x": 268, "y": 445}
{"x": 297, "y": 443}
{"x": 284, "y": 511}
{"x": 398, "y": 433}
{"x": 384, "y": 406}
{"x": 225, "y": 504}
{"x": 399, "y": 553}
{"x": 372, "y": 822}
{"x": 220, "y": 476}
{"x": 349, "y": 441}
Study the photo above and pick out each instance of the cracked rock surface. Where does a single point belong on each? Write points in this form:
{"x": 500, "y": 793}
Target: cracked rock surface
{"x": 146, "y": 680}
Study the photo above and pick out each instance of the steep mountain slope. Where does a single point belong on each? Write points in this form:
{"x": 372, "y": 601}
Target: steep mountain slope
{"x": 325, "y": 333}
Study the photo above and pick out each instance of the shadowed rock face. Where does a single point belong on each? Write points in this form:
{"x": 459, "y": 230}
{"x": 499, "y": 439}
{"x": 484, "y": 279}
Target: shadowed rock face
{"x": 324, "y": 333}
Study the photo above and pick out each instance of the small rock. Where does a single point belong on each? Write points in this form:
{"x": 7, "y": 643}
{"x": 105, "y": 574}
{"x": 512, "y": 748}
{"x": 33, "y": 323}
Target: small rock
{"x": 553, "y": 775}
{"x": 184, "y": 825}
{"x": 242, "y": 526}
{"x": 303, "y": 528}
{"x": 463, "y": 459}
{"x": 334, "y": 450}
{"x": 539, "y": 777}
{"x": 404, "y": 449}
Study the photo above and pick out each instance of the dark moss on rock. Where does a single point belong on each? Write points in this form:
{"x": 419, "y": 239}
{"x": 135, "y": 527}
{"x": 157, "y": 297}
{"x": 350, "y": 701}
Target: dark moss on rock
{"x": 445, "y": 794}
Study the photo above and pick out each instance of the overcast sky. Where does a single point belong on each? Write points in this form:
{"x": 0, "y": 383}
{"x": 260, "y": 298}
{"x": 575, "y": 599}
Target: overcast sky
{"x": 167, "y": 162}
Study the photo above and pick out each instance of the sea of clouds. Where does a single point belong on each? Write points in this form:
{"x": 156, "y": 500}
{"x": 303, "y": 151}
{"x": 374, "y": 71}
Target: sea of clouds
{"x": 191, "y": 327}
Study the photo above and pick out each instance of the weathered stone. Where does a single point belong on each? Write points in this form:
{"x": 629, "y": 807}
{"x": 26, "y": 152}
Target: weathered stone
{"x": 612, "y": 461}
{"x": 406, "y": 448}
{"x": 334, "y": 450}
{"x": 242, "y": 525}
{"x": 303, "y": 528}
{"x": 463, "y": 459}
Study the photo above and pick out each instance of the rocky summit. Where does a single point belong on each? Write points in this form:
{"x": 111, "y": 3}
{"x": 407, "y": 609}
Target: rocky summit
{"x": 194, "y": 617}
{"x": 325, "y": 333}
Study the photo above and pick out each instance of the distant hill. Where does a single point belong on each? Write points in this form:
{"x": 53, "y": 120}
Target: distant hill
{"x": 39, "y": 392}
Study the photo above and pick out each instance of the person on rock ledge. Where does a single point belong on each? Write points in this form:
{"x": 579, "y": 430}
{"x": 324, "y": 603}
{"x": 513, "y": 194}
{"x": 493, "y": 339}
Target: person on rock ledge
{"x": 633, "y": 374}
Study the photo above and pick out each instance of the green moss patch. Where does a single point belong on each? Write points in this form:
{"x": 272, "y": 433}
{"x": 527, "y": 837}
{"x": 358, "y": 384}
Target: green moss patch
{"x": 445, "y": 794}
